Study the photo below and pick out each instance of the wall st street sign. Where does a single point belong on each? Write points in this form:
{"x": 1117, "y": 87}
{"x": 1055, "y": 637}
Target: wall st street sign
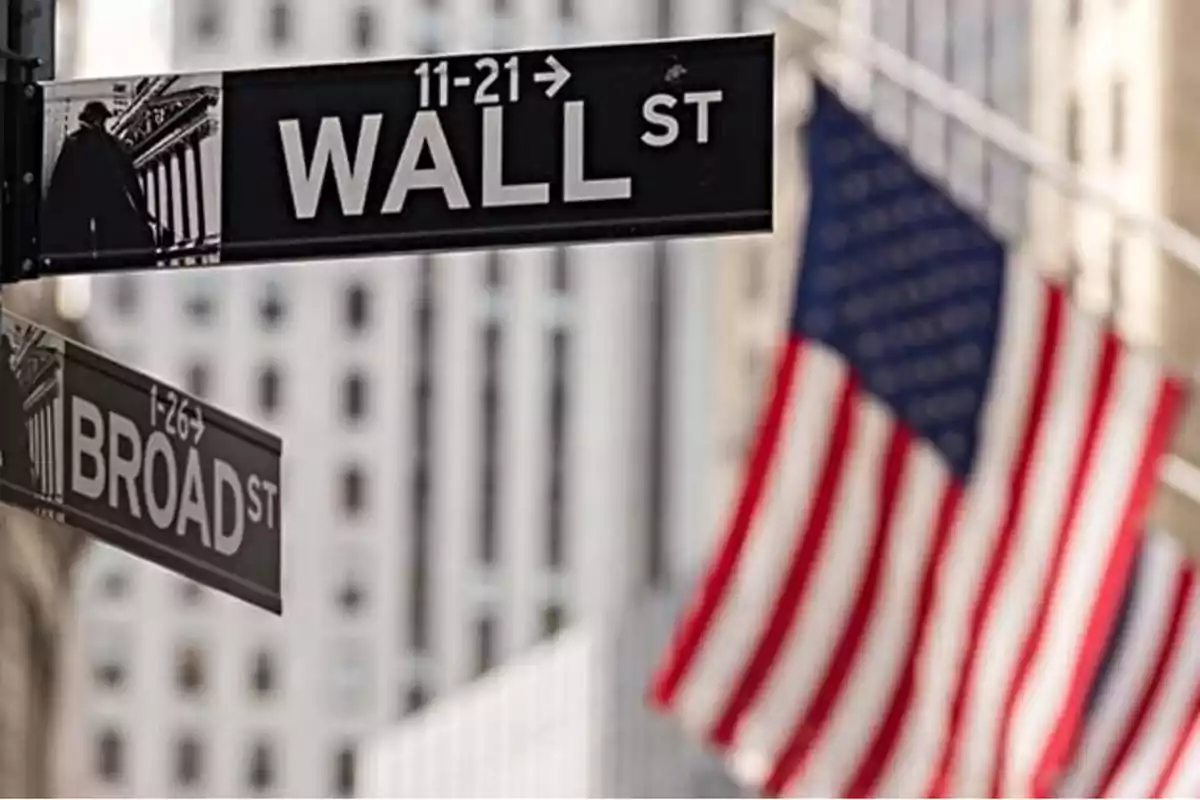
{"x": 139, "y": 464}
{"x": 571, "y": 144}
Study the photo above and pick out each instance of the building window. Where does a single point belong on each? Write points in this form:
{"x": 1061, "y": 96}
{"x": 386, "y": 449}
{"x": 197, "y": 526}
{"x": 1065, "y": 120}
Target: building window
{"x": 280, "y": 21}
{"x": 354, "y": 397}
{"x": 737, "y": 15}
{"x": 262, "y": 674}
{"x": 114, "y": 585}
{"x": 199, "y": 306}
{"x": 261, "y": 768}
{"x": 269, "y": 389}
{"x": 756, "y": 273}
{"x": 553, "y": 618}
{"x": 1118, "y": 118}
{"x": 271, "y": 307}
{"x": 110, "y": 645}
{"x": 110, "y": 673}
{"x": 560, "y": 271}
{"x": 353, "y": 486}
{"x": 188, "y": 760}
{"x": 1116, "y": 265}
{"x": 414, "y": 699}
{"x": 197, "y": 380}
{"x": 351, "y": 596}
{"x": 124, "y": 290}
{"x": 493, "y": 269}
{"x": 490, "y": 410}
{"x": 110, "y": 755}
{"x": 356, "y": 308}
{"x": 1074, "y": 12}
{"x": 1074, "y": 147}
{"x": 423, "y": 420}
{"x": 343, "y": 772}
{"x": 191, "y": 593}
{"x": 555, "y": 538}
{"x": 350, "y": 677}
{"x": 419, "y": 587}
{"x": 485, "y": 644}
{"x": 208, "y": 20}
{"x": 189, "y": 670}
{"x": 363, "y": 29}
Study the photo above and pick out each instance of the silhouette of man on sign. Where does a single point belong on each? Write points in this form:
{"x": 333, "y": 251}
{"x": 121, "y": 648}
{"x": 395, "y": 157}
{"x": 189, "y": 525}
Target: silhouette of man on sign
{"x": 16, "y": 462}
{"x": 94, "y": 203}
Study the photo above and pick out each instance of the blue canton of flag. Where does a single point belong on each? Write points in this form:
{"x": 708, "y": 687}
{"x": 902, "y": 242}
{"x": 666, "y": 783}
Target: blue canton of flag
{"x": 903, "y": 283}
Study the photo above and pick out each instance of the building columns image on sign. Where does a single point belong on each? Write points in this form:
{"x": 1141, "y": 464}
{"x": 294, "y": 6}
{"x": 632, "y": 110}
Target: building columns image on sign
{"x": 131, "y": 171}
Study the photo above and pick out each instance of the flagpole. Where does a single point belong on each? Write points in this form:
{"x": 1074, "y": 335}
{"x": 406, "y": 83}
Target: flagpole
{"x": 824, "y": 20}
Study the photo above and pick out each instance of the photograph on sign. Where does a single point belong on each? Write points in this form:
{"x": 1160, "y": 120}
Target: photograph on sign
{"x": 31, "y": 391}
{"x": 139, "y": 464}
{"x": 131, "y": 172}
{"x": 562, "y": 145}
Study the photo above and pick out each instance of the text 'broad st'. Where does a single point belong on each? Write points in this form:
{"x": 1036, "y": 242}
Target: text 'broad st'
{"x": 141, "y": 465}
{"x": 476, "y": 150}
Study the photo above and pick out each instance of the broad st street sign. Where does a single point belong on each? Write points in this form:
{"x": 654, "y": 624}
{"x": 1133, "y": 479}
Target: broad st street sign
{"x": 571, "y": 144}
{"x": 108, "y": 450}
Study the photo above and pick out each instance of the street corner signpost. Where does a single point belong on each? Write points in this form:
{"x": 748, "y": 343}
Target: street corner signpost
{"x": 139, "y": 464}
{"x": 545, "y": 146}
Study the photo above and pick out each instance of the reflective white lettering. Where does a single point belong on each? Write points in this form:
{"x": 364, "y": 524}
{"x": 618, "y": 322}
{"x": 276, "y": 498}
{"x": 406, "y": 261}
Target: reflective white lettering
{"x": 351, "y": 181}
{"x": 495, "y": 192}
{"x": 192, "y": 505}
{"x": 91, "y": 446}
{"x": 124, "y": 470}
{"x": 702, "y": 100}
{"x": 426, "y": 132}
{"x": 160, "y": 514}
{"x": 225, "y": 477}
{"x": 652, "y": 114}
{"x": 577, "y": 188}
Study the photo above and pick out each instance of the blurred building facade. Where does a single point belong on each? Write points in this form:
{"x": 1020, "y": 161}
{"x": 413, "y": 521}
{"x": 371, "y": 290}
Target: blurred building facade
{"x": 1117, "y": 97}
{"x": 480, "y": 448}
{"x": 566, "y": 719}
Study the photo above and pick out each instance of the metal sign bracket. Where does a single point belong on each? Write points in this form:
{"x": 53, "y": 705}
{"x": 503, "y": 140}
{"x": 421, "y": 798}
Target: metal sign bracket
{"x": 21, "y": 107}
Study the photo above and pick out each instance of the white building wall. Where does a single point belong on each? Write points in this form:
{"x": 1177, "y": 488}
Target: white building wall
{"x": 525, "y": 731}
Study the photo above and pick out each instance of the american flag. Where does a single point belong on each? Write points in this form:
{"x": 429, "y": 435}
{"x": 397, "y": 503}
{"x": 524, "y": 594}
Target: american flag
{"x": 939, "y": 513}
{"x": 1142, "y": 735}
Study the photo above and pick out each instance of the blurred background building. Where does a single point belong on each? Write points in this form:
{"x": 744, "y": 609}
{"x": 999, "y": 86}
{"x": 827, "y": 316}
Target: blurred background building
{"x": 482, "y": 448}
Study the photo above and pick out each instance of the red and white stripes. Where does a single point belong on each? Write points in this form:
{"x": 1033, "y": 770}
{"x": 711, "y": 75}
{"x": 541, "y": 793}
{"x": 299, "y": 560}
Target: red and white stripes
{"x": 1143, "y": 739}
{"x": 872, "y": 626}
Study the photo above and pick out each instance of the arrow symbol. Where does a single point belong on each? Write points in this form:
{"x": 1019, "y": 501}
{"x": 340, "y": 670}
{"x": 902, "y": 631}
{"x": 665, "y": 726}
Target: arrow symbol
{"x": 198, "y": 425}
{"x": 557, "y": 77}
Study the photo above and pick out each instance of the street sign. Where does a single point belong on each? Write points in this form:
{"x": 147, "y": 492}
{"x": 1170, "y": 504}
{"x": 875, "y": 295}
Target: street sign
{"x": 570, "y": 144}
{"x": 138, "y": 463}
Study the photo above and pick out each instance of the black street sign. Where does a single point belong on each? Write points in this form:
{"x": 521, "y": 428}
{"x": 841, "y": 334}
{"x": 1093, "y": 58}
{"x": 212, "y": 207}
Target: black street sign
{"x": 135, "y": 462}
{"x": 570, "y": 144}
